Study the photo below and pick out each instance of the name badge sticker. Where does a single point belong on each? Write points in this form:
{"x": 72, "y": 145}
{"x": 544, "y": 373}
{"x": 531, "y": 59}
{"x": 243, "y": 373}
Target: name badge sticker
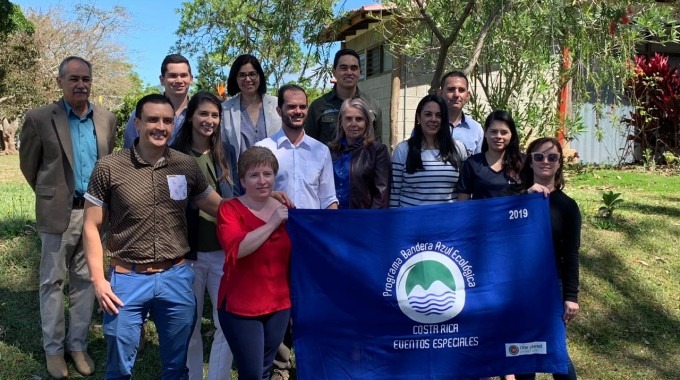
{"x": 178, "y": 187}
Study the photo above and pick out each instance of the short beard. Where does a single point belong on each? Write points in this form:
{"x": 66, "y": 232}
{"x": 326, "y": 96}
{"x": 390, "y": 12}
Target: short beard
{"x": 290, "y": 125}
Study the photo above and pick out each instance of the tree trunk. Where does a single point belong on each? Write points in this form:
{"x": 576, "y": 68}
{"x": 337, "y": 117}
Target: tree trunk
{"x": 8, "y": 136}
{"x": 394, "y": 100}
{"x": 439, "y": 68}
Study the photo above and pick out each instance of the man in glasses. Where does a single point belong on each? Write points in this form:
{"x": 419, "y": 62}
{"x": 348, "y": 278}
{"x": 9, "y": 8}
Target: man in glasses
{"x": 177, "y": 79}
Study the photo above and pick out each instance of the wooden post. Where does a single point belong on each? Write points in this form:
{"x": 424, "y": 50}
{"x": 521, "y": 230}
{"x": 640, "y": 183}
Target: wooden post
{"x": 394, "y": 100}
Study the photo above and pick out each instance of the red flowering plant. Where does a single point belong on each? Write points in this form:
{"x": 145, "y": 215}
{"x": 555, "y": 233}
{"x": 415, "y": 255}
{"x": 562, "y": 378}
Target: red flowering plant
{"x": 654, "y": 93}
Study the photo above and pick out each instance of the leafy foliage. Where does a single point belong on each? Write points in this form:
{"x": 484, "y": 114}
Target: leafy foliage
{"x": 21, "y": 87}
{"x": 18, "y": 61}
{"x": 611, "y": 201}
{"x": 31, "y": 60}
{"x": 93, "y": 34}
{"x": 514, "y": 48}
{"x": 125, "y": 109}
{"x": 278, "y": 32}
{"x": 654, "y": 91}
{"x": 12, "y": 19}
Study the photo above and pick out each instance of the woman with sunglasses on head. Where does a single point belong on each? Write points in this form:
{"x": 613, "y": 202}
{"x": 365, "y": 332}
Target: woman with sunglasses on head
{"x": 361, "y": 165}
{"x": 250, "y": 114}
{"x": 492, "y": 172}
{"x": 200, "y": 137}
{"x": 425, "y": 167}
{"x": 543, "y": 172}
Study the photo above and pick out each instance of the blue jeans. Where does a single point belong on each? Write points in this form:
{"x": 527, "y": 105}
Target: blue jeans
{"x": 170, "y": 300}
{"x": 254, "y": 341}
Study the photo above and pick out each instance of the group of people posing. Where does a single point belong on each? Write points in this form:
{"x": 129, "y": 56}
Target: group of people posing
{"x": 198, "y": 199}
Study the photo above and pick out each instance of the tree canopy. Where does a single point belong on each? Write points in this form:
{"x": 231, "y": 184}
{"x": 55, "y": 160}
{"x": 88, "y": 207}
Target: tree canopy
{"x": 280, "y": 33}
{"x": 30, "y": 57}
{"x": 516, "y": 48}
{"x": 12, "y": 19}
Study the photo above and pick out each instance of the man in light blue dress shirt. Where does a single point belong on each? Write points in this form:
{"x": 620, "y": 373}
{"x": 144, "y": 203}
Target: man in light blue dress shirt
{"x": 454, "y": 88}
{"x": 60, "y": 144}
{"x": 176, "y": 77}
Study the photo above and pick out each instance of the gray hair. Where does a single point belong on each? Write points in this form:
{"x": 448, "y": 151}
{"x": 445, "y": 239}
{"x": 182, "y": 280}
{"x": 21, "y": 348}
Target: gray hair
{"x": 62, "y": 65}
{"x": 360, "y": 104}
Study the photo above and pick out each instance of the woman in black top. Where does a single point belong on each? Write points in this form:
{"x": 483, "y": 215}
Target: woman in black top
{"x": 542, "y": 172}
{"x": 490, "y": 173}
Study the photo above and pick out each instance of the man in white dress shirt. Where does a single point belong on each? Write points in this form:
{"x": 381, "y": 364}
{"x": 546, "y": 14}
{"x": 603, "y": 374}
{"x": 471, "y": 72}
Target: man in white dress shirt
{"x": 305, "y": 166}
{"x": 305, "y": 174}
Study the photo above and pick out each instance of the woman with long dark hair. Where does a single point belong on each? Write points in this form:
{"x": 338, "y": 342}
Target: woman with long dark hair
{"x": 425, "y": 167}
{"x": 495, "y": 170}
{"x": 200, "y": 137}
{"x": 361, "y": 165}
{"x": 250, "y": 113}
{"x": 543, "y": 172}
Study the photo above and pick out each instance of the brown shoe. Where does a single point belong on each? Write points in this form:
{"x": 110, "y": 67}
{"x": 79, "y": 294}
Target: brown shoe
{"x": 56, "y": 366}
{"x": 83, "y": 362}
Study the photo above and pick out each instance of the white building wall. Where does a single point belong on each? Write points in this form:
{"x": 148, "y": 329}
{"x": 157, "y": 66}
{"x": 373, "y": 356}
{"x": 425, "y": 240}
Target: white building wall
{"x": 378, "y": 88}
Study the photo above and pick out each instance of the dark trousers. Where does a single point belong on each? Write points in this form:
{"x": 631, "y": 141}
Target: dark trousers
{"x": 254, "y": 341}
{"x": 570, "y": 375}
{"x": 282, "y": 359}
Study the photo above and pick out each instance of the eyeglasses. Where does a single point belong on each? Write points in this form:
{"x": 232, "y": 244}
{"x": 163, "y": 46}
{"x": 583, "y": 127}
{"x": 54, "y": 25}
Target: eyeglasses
{"x": 540, "y": 157}
{"x": 251, "y": 75}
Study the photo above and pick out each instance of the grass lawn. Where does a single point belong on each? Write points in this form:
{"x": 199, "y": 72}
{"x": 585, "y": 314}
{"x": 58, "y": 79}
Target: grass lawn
{"x": 629, "y": 325}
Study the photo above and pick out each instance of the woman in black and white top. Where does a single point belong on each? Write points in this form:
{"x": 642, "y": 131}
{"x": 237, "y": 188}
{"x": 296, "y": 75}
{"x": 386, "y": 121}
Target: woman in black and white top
{"x": 425, "y": 167}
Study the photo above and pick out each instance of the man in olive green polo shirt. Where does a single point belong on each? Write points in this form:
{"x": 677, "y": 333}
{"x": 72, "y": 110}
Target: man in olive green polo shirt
{"x": 322, "y": 118}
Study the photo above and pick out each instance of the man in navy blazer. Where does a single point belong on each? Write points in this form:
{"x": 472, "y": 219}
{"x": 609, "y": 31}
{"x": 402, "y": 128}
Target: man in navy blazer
{"x": 60, "y": 144}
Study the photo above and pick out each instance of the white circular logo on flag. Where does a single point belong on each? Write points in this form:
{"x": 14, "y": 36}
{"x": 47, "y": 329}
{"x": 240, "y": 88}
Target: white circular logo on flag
{"x": 430, "y": 288}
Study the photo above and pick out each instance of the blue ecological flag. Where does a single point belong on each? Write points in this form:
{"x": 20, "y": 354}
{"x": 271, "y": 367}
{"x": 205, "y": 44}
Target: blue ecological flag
{"x": 467, "y": 289}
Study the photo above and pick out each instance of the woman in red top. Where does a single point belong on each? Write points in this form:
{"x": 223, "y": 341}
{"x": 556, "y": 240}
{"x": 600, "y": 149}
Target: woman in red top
{"x": 254, "y": 295}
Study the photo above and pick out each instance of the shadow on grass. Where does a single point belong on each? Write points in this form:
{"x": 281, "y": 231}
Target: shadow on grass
{"x": 21, "y": 353}
{"x": 652, "y": 209}
{"x": 636, "y": 320}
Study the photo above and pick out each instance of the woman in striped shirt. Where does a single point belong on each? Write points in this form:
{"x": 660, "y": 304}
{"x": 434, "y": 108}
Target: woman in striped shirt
{"x": 425, "y": 167}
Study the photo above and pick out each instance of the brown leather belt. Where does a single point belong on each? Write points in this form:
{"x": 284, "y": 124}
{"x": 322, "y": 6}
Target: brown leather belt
{"x": 120, "y": 266}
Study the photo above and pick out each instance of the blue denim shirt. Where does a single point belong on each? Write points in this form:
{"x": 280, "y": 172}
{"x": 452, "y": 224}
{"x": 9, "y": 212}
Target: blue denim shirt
{"x": 84, "y": 140}
{"x": 341, "y": 171}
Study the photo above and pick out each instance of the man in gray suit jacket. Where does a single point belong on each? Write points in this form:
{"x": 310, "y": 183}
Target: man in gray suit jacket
{"x": 60, "y": 144}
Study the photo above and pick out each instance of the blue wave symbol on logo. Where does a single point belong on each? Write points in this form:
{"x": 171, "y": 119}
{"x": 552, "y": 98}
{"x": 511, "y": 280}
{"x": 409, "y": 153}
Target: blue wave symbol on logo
{"x": 431, "y": 303}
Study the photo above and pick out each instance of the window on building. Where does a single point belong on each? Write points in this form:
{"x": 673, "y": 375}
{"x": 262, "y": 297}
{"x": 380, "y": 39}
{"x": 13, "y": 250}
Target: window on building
{"x": 362, "y": 63}
{"x": 375, "y": 61}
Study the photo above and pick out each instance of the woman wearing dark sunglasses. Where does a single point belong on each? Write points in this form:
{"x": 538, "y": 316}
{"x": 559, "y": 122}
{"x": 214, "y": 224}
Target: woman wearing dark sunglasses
{"x": 490, "y": 173}
{"x": 543, "y": 172}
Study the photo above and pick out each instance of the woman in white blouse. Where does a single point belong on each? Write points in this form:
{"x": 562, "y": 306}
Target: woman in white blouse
{"x": 425, "y": 167}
